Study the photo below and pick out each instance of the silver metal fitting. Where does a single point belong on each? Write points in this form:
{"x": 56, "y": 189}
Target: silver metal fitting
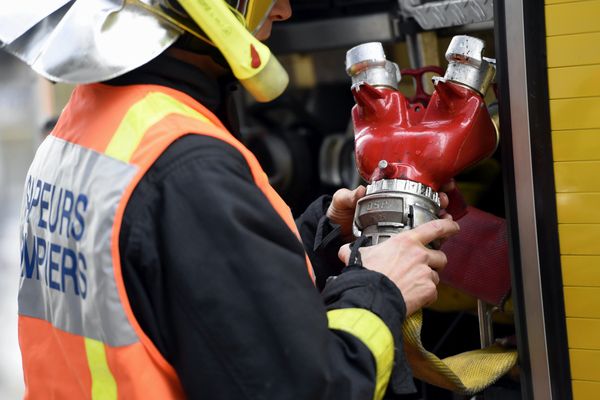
{"x": 467, "y": 66}
{"x": 366, "y": 63}
{"x": 391, "y": 206}
{"x": 404, "y": 186}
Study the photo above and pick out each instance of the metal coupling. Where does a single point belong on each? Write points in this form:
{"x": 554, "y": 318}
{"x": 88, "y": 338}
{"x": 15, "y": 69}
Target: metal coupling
{"x": 391, "y": 206}
{"x": 366, "y": 63}
{"x": 467, "y": 66}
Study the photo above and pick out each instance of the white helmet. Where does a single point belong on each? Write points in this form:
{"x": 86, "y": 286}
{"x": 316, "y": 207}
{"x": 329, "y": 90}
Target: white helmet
{"x": 83, "y": 41}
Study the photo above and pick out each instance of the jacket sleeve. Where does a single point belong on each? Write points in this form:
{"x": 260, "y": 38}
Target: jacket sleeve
{"x": 219, "y": 284}
{"x": 321, "y": 239}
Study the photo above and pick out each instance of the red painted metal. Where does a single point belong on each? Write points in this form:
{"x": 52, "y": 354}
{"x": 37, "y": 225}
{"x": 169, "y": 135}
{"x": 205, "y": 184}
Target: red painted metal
{"x": 429, "y": 144}
{"x": 419, "y": 75}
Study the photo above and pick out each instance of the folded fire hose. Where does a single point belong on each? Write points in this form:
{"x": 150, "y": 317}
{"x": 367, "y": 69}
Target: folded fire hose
{"x": 473, "y": 371}
{"x": 466, "y": 373}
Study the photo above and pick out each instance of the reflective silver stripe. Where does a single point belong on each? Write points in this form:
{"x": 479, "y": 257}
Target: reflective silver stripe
{"x": 50, "y": 291}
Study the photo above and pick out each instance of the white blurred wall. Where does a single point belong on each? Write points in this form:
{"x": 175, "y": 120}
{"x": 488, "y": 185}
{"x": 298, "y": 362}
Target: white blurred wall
{"x": 26, "y": 103}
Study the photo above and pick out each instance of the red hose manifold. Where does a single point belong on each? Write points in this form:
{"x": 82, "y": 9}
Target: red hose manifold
{"x": 407, "y": 152}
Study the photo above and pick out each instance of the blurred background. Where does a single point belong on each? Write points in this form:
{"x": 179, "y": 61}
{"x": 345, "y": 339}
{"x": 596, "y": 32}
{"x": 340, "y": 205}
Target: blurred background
{"x": 28, "y": 107}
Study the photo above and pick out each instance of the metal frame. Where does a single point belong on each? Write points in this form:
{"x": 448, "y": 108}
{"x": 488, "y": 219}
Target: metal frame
{"x": 528, "y": 170}
{"x": 326, "y": 34}
{"x": 445, "y": 13}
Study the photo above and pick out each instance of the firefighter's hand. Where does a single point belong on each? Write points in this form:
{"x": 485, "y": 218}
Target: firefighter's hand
{"x": 444, "y": 200}
{"x": 444, "y": 213}
{"x": 341, "y": 209}
{"x": 406, "y": 261}
{"x": 455, "y": 202}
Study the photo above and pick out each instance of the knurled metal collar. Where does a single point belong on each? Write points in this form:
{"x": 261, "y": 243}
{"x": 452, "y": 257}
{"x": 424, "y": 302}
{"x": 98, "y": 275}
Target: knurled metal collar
{"x": 366, "y": 63}
{"x": 466, "y": 64}
{"x": 406, "y": 186}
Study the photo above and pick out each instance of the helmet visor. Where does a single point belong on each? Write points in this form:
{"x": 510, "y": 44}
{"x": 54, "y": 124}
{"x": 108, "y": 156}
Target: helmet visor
{"x": 255, "y": 12}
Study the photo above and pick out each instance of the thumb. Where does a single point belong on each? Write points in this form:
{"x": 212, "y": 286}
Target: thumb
{"x": 344, "y": 253}
{"x": 358, "y": 194}
{"x": 342, "y": 198}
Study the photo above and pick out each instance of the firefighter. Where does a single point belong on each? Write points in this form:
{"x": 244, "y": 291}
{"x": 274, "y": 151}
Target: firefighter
{"x": 157, "y": 262}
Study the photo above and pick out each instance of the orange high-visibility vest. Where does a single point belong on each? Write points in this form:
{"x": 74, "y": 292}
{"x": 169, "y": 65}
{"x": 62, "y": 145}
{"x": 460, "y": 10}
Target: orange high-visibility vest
{"x": 78, "y": 336}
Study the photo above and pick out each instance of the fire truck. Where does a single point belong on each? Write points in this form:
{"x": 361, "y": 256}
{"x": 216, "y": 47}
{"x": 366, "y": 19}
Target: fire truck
{"x": 545, "y": 102}
{"x": 538, "y": 291}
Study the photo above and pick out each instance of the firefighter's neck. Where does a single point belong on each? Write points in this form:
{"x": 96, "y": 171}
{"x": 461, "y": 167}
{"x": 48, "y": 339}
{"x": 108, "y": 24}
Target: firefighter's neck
{"x": 203, "y": 62}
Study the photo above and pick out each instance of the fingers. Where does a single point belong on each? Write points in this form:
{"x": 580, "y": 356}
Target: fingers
{"x": 448, "y": 186}
{"x": 446, "y": 215}
{"x": 358, "y": 193}
{"x": 443, "y": 200}
{"x": 435, "y": 277}
{"x": 437, "y": 260}
{"x": 342, "y": 197}
{"x": 344, "y": 254}
{"x": 343, "y": 204}
{"x": 421, "y": 293}
{"x": 438, "y": 229}
{"x": 346, "y": 198}
{"x": 431, "y": 298}
{"x": 342, "y": 208}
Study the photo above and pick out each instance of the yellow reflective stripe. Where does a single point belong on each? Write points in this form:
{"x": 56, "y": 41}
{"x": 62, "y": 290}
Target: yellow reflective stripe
{"x": 140, "y": 117}
{"x": 104, "y": 386}
{"x": 374, "y": 333}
